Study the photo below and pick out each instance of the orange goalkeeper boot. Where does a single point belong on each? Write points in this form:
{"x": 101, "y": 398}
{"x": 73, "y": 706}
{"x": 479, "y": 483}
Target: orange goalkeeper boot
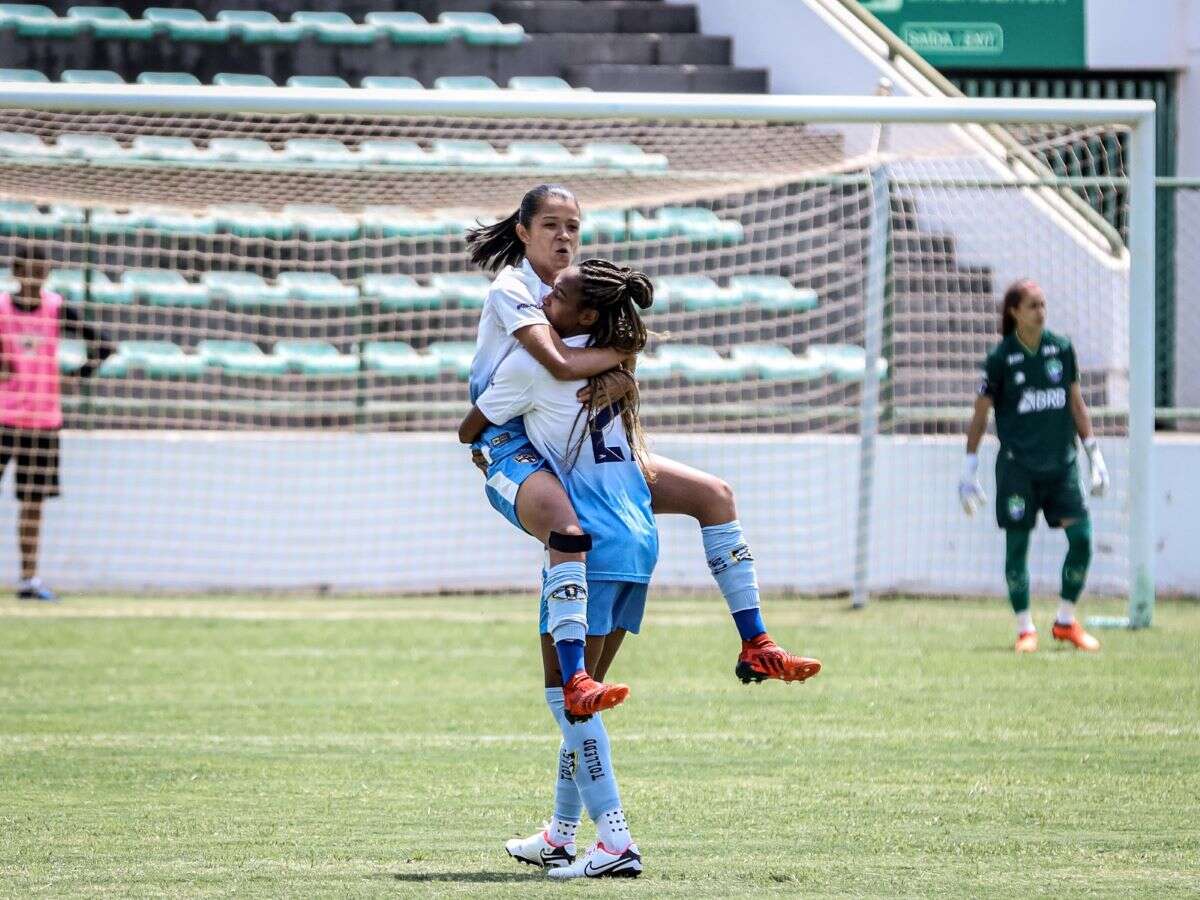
{"x": 1074, "y": 634}
{"x": 761, "y": 658}
{"x": 1026, "y": 642}
{"x": 583, "y": 696}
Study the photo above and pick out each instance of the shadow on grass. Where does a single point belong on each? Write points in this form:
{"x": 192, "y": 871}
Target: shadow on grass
{"x": 460, "y": 877}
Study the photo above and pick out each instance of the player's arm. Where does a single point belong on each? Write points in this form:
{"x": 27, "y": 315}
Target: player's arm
{"x": 970, "y": 491}
{"x": 563, "y": 362}
{"x": 507, "y": 397}
{"x": 1083, "y": 425}
{"x": 99, "y": 347}
{"x": 472, "y": 426}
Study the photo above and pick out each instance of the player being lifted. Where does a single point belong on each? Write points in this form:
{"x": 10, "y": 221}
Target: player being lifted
{"x": 1032, "y": 379}
{"x": 530, "y": 248}
{"x": 595, "y": 453}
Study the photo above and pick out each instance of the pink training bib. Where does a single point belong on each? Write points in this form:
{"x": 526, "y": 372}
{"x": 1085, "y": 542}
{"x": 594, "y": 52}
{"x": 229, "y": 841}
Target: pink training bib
{"x": 29, "y": 385}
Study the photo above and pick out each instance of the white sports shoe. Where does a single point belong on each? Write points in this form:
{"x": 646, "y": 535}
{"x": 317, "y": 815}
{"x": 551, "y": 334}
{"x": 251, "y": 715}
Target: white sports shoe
{"x": 538, "y": 850}
{"x": 598, "y": 862}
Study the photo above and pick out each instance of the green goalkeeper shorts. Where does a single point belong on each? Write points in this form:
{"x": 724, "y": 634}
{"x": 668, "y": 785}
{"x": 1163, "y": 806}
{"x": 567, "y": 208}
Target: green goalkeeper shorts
{"x": 1021, "y": 493}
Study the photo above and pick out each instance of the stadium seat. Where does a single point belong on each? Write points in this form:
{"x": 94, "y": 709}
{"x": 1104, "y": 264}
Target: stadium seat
{"x": 180, "y": 222}
{"x": 315, "y": 358}
{"x": 155, "y": 359}
{"x": 8, "y": 283}
{"x": 322, "y": 222}
{"x": 544, "y": 154}
{"x": 623, "y": 156}
{"x": 538, "y": 83}
{"x": 695, "y": 293}
{"x": 465, "y": 83}
{"x": 184, "y": 78}
{"x": 20, "y": 144}
{"x": 453, "y": 356}
{"x": 187, "y": 25}
{"x": 243, "y": 150}
{"x": 90, "y": 146}
{"x": 37, "y": 21}
{"x": 118, "y": 221}
{"x": 392, "y": 83}
{"x": 72, "y": 354}
{"x": 318, "y": 289}
{"x": 845, "y": 362}
{"x": 701, "y": 364}
{"x": 245, "y": 289}
{"x": 240, "y": 358}
{"x": 90, "y": 76}
{"x": 94, "y": 286}
{"x": 397, "y": 359}
{"x": 249, "y": 220}
{"x": 701, "y": 224}
{"x": 603, "y": 224}
{"x": 337, "y": 28}
{"x": 176, "y": 149}
{"x": 164, "y": 287}
{"x": 483, "y": 28}
{"x": 468, "y": 291}
{"x": 468, "y": 153}
{"x": 774, "y": 292}
{"x": 24, "y": 219}
{"x": 400, "y": 293}
{"x": 400, "y": 222}
{"x": 256, "y": 26}
{"x": 112, "y": 22}
{"x": 28, "y": 76}
{"x": 775, "y": 363}
{"x": 645, "y": 228}
{"x": 236, "y": 79}
{"x": 410, "y": 28}
{"x": 321, "y": 150}
{"x": 652, "y": 369}
{"x": 317, "y": 81}
{"x": 395, "y": 153}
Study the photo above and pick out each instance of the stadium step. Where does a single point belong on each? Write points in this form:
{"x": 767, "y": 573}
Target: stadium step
{"x": 674, "y": 78}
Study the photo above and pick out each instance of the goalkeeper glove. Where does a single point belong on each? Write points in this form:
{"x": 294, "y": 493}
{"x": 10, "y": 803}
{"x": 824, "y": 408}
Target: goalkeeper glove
{"x": 1096, "y": 464}
{"x": 970, "y": 491}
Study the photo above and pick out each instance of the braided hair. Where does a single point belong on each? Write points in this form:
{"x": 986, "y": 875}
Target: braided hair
{"x": 492, "y": 247}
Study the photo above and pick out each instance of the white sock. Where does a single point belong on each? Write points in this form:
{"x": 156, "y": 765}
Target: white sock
{"x": 1066, "y": 612}
{"x": 613, "y": 831}
{"x": 1024, "y": 622}
{"x": 561, "y": 832}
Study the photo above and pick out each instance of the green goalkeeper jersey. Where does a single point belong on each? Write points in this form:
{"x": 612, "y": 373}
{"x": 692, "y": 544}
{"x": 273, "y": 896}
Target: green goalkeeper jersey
{"x": 1029, "y": 389}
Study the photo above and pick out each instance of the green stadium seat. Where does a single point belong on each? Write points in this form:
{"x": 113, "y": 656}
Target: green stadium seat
{"x": 164, "y": 287}
{"x": 603, "y": 224}
{"x": 248, "y": 220}
{"x": 91, "y": 146}
{"x": 26, "y": 76}
{"x": 37, "y": 21}
{"x": 410, "y": 28}
{"x": 315, "y": 358}
{"x": 700, "y": 224}
{"x": 8, "y": 282}
{"x": 320, "y": 150}
{"x": 173, "y": 149}
{"x": 118, "y": 221}
{"x": 845, "y": 362}
{"x": 701, "y": 364}
{"x": 544, "y": 154}
{"x": 235, "y": 79}
{"x": 250, "y": 150}
{"x": 392, "y": 83}
{"x": 245, "y": 289}
{"x": 72, "y": 355}
{"x": 468, "y": 153}
{"x": 256, "y": 26}
{"x": 397, "y": 359}
{"x": 644, "y": 228}
{"x": 652, "y": 369}
{"x": 156, "y": 359}
{"x": 19, "y": 144}
{"x": 483, "y": 28}
{"x": 322, "y": 222}
{"x": 400, "y": 293}
{"x": 187, "y": 25}
{"x": 24, "y": 219}
{"x": 318, "y": 289}
{"x": 774, "y": 363}
{"x": 322, "y": 82}
{"x": 112, "y": 22}
{"x": 775, "y": 292}
{"x": 400, "y": 222}
{"x": 538, "y": 83}
{"x": 695, "y": 293}
{"x": 465, "y": 83}
{"x": 181, "y": 222}
{"x": 98, "y": 288}
{"x": 395, "y": 153}
{"x": 169, "y": 78}
{"x": 453, "y": 356}
{"x": 468, "y": 291}
{"x": 623, "y": 156}
{"x": 337, "y": 28}
{"x": 240, "y": 358}
{"x": 90, "y": 76}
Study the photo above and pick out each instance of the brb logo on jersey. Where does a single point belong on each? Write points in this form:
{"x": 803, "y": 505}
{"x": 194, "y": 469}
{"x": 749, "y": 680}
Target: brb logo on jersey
{"x": 1039, "y": 400}
{"x": 1054, "y": 370}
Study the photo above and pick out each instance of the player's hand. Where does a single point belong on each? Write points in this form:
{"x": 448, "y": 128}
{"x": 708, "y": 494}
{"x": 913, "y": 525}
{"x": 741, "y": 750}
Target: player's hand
{"x": 1099, "y": 470}
{"x": 970, "y": 491}
{"x": 479, "y": 459}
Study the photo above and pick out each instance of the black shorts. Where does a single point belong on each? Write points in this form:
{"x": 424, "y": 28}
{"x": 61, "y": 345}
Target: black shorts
{"x": 36, "y": 451}
{"x": 1021, "y": 493}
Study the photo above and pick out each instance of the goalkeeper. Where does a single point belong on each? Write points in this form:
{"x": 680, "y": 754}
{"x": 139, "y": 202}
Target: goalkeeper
{"x": 1032, "y": 379}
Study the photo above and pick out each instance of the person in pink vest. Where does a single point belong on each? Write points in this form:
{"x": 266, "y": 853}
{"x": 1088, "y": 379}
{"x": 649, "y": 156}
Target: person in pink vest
{"x": 31, "y": 324}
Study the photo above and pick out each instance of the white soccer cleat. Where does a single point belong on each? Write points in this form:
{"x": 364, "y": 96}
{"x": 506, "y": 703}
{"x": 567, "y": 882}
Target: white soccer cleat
{"x": 598, "y": 862}
{"x": 538, "y": 850}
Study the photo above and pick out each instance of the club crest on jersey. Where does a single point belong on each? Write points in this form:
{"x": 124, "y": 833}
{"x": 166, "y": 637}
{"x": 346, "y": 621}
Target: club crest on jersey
{"x": 1054, "y": 370}
{"x": 526, "y": 458}
{"x": 1018, "y": 378}
{"x": 1016, "y": 507}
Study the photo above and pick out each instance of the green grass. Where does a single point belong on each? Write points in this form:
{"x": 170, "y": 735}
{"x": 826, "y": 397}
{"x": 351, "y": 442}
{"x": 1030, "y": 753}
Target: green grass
{"x": 387, "y": 748}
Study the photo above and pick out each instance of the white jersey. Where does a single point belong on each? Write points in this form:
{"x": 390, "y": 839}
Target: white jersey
{"x": 513, "y": 302}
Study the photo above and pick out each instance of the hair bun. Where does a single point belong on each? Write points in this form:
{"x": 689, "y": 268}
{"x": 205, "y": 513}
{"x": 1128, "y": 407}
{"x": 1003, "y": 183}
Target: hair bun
{"x": 639, "y": 288}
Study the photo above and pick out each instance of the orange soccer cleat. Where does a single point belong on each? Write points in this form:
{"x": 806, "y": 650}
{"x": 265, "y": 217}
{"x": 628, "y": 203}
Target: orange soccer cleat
{"x": 583, "y": 696}
{"x": 1075, "y": 634}
{"x": 761, "y": 658}
{"x": 1026, "y": 642}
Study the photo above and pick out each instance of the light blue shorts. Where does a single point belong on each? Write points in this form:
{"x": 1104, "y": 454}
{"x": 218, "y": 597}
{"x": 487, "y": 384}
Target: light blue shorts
{"x": 512, "y": 459}
{"x": 611, "y": 605}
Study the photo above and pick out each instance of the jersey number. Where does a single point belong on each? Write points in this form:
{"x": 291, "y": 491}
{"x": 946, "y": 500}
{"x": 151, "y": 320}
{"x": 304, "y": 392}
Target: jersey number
{"x": 602, "y": 453}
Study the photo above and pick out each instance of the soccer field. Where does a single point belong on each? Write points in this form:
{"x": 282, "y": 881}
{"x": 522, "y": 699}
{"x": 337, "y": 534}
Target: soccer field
{"x": 251, "y": 747}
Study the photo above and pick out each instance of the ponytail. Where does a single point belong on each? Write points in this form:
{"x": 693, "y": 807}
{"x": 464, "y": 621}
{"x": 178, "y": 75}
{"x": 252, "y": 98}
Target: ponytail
{"x": 492, "y": 247}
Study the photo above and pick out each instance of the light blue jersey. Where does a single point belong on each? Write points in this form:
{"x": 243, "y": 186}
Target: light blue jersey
{"x": 602, "y": 479}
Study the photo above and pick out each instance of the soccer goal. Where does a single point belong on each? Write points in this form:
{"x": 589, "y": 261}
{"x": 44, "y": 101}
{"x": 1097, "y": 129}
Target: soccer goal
{"x": 284, "y": 273}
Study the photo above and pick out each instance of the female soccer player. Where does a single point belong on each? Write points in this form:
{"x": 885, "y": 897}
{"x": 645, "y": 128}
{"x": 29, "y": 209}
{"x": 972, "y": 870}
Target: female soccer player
{"x": 1032, "y": 380}
{"x": 593, "y": 450}
{"x": 530, "y": 248}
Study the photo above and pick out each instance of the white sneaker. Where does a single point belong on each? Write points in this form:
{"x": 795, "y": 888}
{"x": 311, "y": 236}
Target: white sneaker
{"x": 538, "y": 850}
{"x": 598, "y": 862}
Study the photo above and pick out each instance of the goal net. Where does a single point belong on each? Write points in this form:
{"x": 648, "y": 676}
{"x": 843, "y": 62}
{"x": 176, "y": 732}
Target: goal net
{"x": 284, "y": 274}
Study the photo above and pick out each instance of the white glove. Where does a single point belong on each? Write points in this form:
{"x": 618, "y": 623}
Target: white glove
{"x": 1096, "y": 464}
{"x": 970, "y": 491}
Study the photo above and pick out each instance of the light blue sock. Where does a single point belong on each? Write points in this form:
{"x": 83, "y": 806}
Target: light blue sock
{"x": 731, "y": 564}
{"x": 595, "y": 779}
{"x": 568, "y": 805}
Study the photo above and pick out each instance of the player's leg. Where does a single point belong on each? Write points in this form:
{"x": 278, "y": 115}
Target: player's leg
{"x": 37, "y": 479}
{"x": 1065, "y": 507}
{"x": 1016, "y": 514}
{"x": 682, "y": 490}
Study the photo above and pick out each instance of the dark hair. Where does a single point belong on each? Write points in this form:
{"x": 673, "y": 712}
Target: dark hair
{"x": 1017, "y": 291}
{"x": 494, "y": 246}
